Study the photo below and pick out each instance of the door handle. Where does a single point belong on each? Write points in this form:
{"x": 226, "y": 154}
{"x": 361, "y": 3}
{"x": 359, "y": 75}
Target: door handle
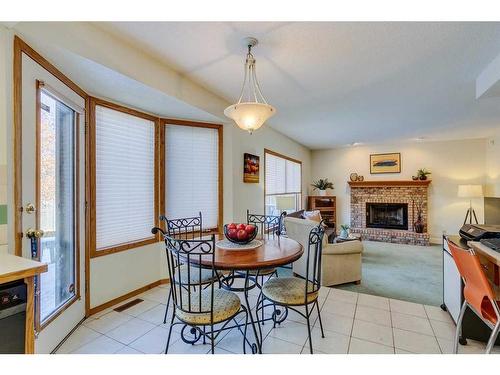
{"x": 30, "y": 208}
{"x": 34, "y": 233}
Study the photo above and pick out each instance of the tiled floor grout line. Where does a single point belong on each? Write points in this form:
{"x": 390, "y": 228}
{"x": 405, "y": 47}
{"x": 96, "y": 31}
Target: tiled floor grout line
{"x": 392, "y": 329}
{"x": 433, "y": 331}
{"x": 329, "y": 296}
{"x": 352, "y": 326}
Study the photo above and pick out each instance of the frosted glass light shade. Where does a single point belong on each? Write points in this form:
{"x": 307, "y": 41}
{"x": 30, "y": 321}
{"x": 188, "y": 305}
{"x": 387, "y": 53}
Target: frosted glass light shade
{"x": 250, "y": 116}
{"x": 470, "y": 191}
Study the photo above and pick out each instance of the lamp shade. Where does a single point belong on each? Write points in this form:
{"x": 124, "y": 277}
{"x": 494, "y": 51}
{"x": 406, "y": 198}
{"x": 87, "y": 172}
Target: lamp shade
{"x": 249, "y": 116}
{"x": 470, "y": 191}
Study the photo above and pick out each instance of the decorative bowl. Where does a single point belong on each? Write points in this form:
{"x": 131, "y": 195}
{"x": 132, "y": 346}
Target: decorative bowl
{"x": 249, "y": 239}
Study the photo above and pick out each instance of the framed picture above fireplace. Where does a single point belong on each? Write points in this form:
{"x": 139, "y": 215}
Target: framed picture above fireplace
{"x": 385, "y": 163}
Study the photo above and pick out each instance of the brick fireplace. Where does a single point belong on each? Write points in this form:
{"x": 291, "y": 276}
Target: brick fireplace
{"x": 386, "y": 210}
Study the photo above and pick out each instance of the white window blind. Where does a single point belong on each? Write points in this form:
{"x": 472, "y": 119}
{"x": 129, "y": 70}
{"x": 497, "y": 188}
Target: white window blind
{"x": 283, "y": 176}
{"x": 124, "y": 177}
{"x": 192, "y": 173}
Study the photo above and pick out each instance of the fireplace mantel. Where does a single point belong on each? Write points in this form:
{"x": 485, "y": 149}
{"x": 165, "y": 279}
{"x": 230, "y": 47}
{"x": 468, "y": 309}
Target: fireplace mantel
{"x": 389, "y": 183}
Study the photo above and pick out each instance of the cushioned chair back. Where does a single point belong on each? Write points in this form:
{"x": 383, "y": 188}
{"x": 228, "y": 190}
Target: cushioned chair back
{"x": 477, "y": 290}
{"x": 313, "y": 260}
{"x": 269, "y": 225}
{"x": 186, "y": 227}
{"x": 187, "y": 286}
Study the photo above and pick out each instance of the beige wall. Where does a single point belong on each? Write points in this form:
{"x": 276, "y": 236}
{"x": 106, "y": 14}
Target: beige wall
{"x": 5, "y": 115}
{"x": 251, "y": 196}
{"x": 493, "y": 167}
{"x": 451, "y": 163}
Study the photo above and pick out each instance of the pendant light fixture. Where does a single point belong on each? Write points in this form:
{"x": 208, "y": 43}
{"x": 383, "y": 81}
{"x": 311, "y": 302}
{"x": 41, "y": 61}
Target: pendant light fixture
{"x": 251, "y": 111}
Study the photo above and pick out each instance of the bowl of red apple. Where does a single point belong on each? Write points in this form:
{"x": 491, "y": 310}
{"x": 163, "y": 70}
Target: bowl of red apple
{"x": 240, "y": 233}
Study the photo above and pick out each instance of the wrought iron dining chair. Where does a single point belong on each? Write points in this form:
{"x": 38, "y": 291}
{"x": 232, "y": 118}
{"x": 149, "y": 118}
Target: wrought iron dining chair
{"x": 185, "y": 228}
{"x": 270, "y": 226}
{"x": 197, "y": 307}
{"x": 291, "y": 292}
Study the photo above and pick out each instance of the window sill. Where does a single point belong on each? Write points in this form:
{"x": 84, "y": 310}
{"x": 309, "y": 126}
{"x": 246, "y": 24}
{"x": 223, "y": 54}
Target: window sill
{"x": 94, "y": 253}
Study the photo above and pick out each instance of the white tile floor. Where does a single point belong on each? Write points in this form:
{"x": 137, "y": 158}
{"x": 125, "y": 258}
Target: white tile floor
{"x": 353, "y": 323}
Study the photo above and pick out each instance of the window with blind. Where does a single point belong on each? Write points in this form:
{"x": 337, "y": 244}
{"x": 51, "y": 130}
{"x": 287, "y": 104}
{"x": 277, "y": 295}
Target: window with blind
{"x": 124, "y": 179}
{"x": 283, "y": 184}
{"x": 192, "y": 173}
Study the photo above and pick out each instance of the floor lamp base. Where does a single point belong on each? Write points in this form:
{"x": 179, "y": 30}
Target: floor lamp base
{"x": 468, "y": 215}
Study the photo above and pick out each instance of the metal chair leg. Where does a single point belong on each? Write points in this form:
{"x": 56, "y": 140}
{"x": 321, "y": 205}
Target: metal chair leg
{"x": 320, "y": 322}
{"x": 458, "y": 331}
{"x": 168, "y": 304}
{"x": 262, "y": 311}
{"x": 212, "y": 338}
{"x": 244, "y": 332}
{"x": 309, "y": 329}
{"x": 169, "y": 332}
{"x": 493, "y": 338}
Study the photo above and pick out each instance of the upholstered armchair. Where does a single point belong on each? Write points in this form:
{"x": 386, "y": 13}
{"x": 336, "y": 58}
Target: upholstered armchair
{"x": 341, "y": 262}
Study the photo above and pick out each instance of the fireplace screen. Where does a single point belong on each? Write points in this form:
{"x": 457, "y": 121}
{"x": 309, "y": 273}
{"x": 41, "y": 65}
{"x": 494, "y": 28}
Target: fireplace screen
{"x": 387, "y": 215}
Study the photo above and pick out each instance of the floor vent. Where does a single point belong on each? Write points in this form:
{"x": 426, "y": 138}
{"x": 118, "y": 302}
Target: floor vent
{"x": 128, "y": 305}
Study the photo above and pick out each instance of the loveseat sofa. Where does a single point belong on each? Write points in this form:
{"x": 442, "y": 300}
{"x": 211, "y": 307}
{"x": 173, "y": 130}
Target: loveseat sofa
{"x": 341, "y": 262}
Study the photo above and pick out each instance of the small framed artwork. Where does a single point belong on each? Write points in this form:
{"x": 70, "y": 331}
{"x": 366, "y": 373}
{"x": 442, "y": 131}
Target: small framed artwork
{"x": 251, "y": 168}
{"x": 385, "y": 163}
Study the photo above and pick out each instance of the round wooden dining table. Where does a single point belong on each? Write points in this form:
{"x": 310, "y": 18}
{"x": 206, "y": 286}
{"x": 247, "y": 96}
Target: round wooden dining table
{"x": 274, "y": 252}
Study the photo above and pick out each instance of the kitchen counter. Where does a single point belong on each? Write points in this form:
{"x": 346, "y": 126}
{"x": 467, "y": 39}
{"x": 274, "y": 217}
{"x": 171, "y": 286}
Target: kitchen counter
{"x": 12, "y": 268}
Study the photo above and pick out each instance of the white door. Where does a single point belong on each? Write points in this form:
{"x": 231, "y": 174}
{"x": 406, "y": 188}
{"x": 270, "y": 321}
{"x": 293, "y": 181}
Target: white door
{"x": 53, "y": 191}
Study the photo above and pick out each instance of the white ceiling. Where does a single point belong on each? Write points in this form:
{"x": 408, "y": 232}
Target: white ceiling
{"x": 105, "y": 83}
{"x": 336, "y": 83}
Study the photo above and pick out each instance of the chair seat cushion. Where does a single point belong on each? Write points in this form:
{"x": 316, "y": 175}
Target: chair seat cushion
{"x": 289, "y": 291}
{"x": 226, "y": 305}
{"x": 263, "y": 272}
{"x": 196, "y": 274}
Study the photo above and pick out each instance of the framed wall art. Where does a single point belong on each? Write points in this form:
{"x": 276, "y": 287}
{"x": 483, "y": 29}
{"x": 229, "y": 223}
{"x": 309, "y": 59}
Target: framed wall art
{"x": 251, "y": 168}
{"x": 385, "y": 163}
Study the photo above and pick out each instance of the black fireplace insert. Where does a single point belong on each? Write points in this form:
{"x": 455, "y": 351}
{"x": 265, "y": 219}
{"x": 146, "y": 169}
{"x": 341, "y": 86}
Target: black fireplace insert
{"x": 387, "y": 215}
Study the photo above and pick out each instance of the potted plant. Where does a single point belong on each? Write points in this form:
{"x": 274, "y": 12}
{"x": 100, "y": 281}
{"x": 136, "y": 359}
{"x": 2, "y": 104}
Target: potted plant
{"x": 344, "y": 231}
{"x": 422, "y": 174}
{"x": 322, "y": 185}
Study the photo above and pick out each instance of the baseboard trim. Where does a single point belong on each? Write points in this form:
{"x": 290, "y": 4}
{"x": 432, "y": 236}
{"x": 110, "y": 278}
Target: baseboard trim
{"x": 114, "y": 301}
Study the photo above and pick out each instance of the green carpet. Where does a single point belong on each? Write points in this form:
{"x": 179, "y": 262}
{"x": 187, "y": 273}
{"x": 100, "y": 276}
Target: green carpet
{"x": 406, "y": 272}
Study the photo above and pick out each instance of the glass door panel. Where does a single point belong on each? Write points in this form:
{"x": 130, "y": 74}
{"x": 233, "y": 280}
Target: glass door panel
{"x": 57, "y": 203}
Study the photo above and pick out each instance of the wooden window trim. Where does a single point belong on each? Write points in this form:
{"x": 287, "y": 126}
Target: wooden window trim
{"x": 220, "y": 129}
{"x": 274, "y": 153}
{"x": 94, "y": 251}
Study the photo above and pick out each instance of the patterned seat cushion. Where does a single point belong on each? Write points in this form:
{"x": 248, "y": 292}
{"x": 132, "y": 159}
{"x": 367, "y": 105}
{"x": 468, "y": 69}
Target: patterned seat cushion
{"x": 226, "y": 305}
{"x": 194, "y": 274}
{"x": 288, "y": 291}
{"x": 264, "y": 272}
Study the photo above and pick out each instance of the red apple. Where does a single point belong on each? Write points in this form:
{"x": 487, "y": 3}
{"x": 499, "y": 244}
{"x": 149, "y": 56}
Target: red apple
{"x": 242, "y": 235}
{"x": 231, "y": 226}
{"x": 250, "y": 229}
{"x": 232, "y": 233}
{"x": 241, "y": 226}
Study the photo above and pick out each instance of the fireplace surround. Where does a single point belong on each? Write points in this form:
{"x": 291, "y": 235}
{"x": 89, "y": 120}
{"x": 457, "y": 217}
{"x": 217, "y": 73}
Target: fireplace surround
{"x": 393, "y": 200}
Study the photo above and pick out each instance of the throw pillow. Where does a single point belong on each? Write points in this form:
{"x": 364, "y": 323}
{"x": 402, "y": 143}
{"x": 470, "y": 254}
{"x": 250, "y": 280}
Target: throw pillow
{"x": 312, "y": 215}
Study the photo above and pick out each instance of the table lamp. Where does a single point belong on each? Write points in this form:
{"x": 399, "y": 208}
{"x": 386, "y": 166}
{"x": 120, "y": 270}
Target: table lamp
{"x": 470, "y": 191}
